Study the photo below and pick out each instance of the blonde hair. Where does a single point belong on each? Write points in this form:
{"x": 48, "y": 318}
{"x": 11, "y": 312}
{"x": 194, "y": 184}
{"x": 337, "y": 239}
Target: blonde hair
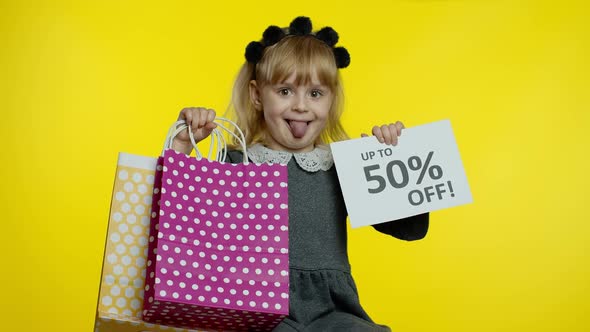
{"x": 301, "y": 55}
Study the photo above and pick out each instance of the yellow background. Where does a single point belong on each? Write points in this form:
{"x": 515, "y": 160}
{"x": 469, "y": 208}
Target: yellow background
{"x": 81, "y": 81}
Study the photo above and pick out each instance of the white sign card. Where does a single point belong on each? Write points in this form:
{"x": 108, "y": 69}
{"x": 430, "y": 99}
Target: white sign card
{"x": 422, "y": 173}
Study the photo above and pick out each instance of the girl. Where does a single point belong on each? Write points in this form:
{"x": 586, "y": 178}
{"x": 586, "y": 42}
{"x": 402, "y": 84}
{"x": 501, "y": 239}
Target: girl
{"x": 288, "y": 98}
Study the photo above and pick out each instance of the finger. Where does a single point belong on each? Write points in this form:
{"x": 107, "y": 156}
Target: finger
{"x": 210, "y": 115}
{"x": 399, "y": 125}
{"x": 202, "y": 113}
{"x": 393, "y": 132}
{"x": 210, "y": 126}
{"x": 203, "y": 132}
{"x": 364, "y": 135}
{"x": 182, "y": 115}
{"x": 387, "y": 139}
{"x": 187, "y": 116}
{"x": 377, "y": 132}
{"x": 194, "y": 124}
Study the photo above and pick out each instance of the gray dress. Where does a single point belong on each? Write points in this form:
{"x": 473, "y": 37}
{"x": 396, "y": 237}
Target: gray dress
{"x": 322, "y": 292}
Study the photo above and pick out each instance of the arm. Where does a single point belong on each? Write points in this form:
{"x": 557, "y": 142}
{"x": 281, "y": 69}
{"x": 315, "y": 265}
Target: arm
{"x": 409, "y": 229}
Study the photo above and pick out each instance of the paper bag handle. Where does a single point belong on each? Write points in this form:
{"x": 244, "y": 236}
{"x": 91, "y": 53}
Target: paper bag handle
{"x": 216, "y": 138}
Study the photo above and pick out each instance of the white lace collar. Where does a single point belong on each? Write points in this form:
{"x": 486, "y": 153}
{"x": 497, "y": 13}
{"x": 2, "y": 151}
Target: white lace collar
{"x": 318, "y": 159}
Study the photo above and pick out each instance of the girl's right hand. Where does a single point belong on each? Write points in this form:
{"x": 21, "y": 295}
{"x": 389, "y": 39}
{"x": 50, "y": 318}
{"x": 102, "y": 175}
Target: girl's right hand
{"x": 200, "y": 121}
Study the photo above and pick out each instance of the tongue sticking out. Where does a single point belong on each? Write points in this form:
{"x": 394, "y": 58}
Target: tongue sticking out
{"x": 298, "y": 128}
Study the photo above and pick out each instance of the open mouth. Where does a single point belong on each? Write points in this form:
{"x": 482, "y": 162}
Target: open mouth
{"x": 298, "y": 128}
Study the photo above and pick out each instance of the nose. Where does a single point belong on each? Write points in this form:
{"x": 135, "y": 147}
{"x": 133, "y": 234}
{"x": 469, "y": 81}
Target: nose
{"x": 299, "y": 103}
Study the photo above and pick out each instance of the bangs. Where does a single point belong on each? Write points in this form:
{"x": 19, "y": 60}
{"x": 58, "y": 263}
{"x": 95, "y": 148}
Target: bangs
{"x": 302, "y": 55}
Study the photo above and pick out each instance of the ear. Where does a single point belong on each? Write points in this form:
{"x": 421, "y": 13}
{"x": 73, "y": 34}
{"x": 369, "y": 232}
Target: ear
{"x": 255, "y": 95}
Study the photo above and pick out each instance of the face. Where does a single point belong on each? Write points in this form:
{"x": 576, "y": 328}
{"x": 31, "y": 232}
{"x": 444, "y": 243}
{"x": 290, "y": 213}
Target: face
{"x": 295, "y": 115}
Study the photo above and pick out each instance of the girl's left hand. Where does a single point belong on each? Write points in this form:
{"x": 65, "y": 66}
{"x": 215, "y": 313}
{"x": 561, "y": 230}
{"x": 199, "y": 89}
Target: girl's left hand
{"x": 387, "y": 134}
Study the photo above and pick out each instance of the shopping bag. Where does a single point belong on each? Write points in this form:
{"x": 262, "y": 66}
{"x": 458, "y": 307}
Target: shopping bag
{"x": 218, "y": 246}
{"x": 122, "y": 281}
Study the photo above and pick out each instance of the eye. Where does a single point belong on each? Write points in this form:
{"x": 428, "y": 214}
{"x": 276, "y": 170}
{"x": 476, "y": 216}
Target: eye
{"x": 316, "y": 93}
{"x": 284, "y": 92}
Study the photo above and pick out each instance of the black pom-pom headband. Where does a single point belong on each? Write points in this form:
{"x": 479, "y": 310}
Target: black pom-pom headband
{"x": 300, "y": 26}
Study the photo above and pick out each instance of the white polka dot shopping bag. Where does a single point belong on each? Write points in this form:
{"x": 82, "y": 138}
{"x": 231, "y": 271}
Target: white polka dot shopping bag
{"x": 124, "y": 267}
{"x": 218, "y": 245}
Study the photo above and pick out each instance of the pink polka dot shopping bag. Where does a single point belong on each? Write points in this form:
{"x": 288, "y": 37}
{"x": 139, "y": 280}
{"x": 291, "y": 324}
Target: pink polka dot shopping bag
{"x": 218, "y": 244}
{"x": 210, "y": 237}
